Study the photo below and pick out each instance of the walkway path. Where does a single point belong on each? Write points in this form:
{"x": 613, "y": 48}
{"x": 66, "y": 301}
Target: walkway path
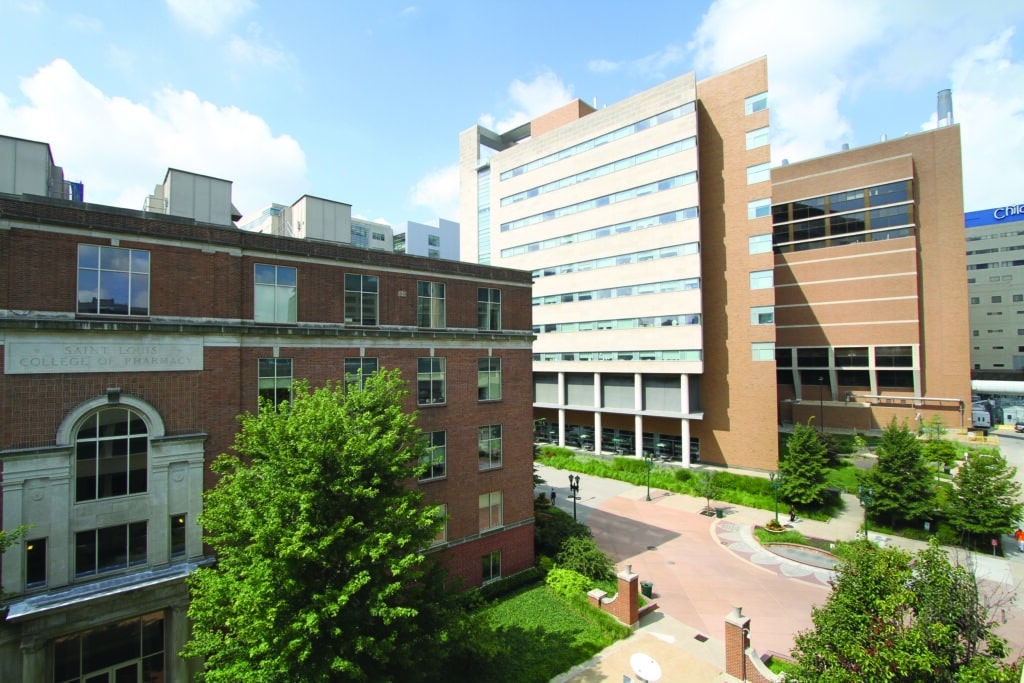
{"x": 701, "y": 567}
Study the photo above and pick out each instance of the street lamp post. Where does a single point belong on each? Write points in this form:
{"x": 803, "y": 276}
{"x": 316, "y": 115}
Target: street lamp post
{"x": 775, "y": 479}
{"x": 574, "y": 487}
{"x": 866, "y": 496}
{"x": 650, "y": 464}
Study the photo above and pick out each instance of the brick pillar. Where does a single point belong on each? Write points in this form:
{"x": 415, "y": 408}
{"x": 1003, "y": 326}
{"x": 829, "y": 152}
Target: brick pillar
{"x": 629, "y": 597}
{"x": 737, "y": 640}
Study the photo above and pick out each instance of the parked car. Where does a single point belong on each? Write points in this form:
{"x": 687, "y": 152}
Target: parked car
{"x": 1019, "y": 427}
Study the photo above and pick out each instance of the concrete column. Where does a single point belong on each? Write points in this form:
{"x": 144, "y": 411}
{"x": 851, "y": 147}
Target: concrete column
{"x": 176, "y": 628}
{"x": 597, "y": 412}
{"x": 684, "y": 437}
{"x": 33, "y": 660}
{"x": 638, "y": 420}
{"x": 561, "y": 411}
{"x": 638, "y": 441}
{"x": 13, "y": 507}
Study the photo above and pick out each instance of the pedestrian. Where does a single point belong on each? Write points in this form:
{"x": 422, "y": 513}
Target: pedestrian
{"x": 1019, "y": 535}
{"x": 792, "y": 513}
{"x": 553, "y": 492}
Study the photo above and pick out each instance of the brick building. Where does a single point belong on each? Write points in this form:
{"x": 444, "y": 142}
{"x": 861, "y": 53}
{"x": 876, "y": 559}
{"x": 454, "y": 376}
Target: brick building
{"x": 131, "y": 340}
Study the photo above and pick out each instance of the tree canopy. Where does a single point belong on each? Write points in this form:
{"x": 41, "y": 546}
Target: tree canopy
{"x": 320, "y": 573}
{"x": 985, "y": 501}
{"x": 903, "y": 486}
{"x": 803, "y": 467}
{"x": 901, "y": 618}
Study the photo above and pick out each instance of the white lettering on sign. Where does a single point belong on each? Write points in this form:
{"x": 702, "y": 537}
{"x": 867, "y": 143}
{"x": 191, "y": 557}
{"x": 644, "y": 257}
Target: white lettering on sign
{"x": 1007, "y": 211}
{"x": 23, "y": 357}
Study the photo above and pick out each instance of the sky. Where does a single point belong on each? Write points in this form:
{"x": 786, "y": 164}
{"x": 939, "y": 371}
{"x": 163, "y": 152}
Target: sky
{"x": 363, "y": 102}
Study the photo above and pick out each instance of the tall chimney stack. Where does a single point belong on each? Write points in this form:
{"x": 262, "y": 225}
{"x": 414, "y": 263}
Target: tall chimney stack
{"x": 945, "y": 108}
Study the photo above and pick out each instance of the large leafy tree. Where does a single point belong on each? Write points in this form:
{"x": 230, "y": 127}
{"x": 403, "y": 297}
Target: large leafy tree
{"x": 985, "y": 502}
{"x": 320, "y": 574}
{"x": 803, "y": 467}
{"x": 902, "y": 486}
{"x": 901, "y": 618}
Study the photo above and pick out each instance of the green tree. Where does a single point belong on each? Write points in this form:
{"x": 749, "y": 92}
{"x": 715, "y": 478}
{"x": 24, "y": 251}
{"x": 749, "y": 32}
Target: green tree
{"x": 903, "y": 488}
{"x": 803, "y": 467}
{"x": 582, "y": 555}
{"x": 901, "y": 618}
{"x": 320, "y": 574}
{"x": 707, "y": 486}
{"x": 985, "y": 501}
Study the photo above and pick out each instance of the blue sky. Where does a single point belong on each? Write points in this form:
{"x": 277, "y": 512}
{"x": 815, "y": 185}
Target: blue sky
{"x": 363, "y": 102}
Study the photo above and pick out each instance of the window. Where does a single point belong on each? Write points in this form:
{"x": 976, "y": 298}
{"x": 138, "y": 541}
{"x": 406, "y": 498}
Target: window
{"x": 488, "y": 379}
{"x": 489, "y": 446}
{"x": 762, "y": 279}
{"x": 275, "y": 292}
{"x": 1017, "y": 298}
{"x": 894, "y": 357}
{"x": 490, "y": 510}
{"x": 762, "y": 351}
{"x": 112, "y": 280}
{"x": 442, "y": 534}
{"x": 379, "y": 237}
{"x": 762, "y": 315}
{"x": 111, "y": 453}
{"x": 361, "y": 299}
{"x": 491, "y": 566}
{"x": 755, "y": 103}
{"x": 130, "y": 650}
{"x": 435, "y": 457}
{"x": 275, "y": 380}
{"x": 759, "y": 208}
{"x": 430, "y": 381}
{"x": 975, "y": 300}
{"x": 430, "y": 304}
{"x": 759, "y": 173}
{"x": 757, "y": 138}
{"x": 997, "y": 299}
{"x": 178, "y": 535}
{"x": 760, "y": 244}
{"x": 110, "y": 548}
{"x": 974, "y": 333}
{"x": 488, "y": 308}
{"x": 359, "y": 236}
{"x": 358, "y": 369}
{"x": 35, "y": 563}
{"x": 433, "y": 240}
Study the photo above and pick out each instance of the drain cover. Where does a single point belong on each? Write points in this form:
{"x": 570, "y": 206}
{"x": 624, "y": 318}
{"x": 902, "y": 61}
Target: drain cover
{"x": 652, "y": 547}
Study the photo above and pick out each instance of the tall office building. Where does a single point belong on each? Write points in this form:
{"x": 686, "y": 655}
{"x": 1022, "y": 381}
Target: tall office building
{"x": 995, "y": 284}
{"x": 690, "y": 299}
{"x": 870, "y": 294}
{"x": 647, "y": 225}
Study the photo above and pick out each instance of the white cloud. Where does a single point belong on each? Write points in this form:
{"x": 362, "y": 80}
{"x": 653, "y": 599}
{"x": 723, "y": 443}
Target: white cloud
{"x": 439, "y": 191}
{"x": 529, "y": 100}
{"x": 257, "y": 48}
{"x": 121, "y": 148}
{"x": 988, "y": 103}
{"x": 84, "y": 23}
{"x": 409, "y": 11}
{"x": 602, "y": 66}
{"x": 209, "y": 17}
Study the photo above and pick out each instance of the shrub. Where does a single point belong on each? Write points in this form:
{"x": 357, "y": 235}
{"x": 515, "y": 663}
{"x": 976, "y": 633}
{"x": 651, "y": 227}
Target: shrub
{"x": 583, "y": 556}
{"x": 552, "y": 527}
{"x": 545, "y": 563}
{"x": 568, "y": 583}
{"x": 510, "y": 584}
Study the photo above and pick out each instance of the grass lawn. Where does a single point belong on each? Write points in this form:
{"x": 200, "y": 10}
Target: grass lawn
{"x": 542, "y": 635}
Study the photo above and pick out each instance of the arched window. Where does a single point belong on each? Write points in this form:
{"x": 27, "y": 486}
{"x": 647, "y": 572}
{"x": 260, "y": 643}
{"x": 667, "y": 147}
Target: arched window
{"x": 111, "y": 455}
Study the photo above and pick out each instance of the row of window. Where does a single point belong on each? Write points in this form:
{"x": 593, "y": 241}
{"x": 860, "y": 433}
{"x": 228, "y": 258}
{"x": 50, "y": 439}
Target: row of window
{"x": 665, "y": 354}
{"x": 619, "y": 260}
{"x": 975, "y": 333}
{"x": 600, "y": 171}
{"x": 840, "y": 202}
{"x": 620, "y": 324}
{"x": 995, "y": 264}
{"x": 1015, "y": 247}
{"x": 116, "y": 281}
{"x": 604, "y": 231}
{"x": 276, "y": 374}
{"x": 849, "y": 379}
{"x": 615, "y": 292}
{"x": 604, "y": 200}
{"x": 435, "y": 458}
{"x": 844, "y": 224}
{"x": 973, "y": 236}
{"x": 103, "y": 550}
{"x": 587, "y": 145}
{"x": 998, "y": 299}
{"x": 825, "y": 357}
